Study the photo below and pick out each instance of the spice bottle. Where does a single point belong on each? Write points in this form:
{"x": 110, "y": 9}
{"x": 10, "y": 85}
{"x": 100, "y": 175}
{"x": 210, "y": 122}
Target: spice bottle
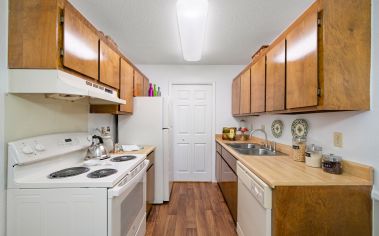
{"x": 298, "y": 149}
{"x": 313, "y": 156}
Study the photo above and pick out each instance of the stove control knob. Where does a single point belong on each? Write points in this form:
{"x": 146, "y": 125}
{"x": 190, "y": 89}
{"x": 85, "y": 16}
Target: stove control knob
{"x": 27, "y": 150}
{"x": 39, "y": 147}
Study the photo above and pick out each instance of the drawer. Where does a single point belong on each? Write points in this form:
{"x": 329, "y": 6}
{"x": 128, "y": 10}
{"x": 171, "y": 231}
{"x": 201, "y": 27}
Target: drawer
{"x": 218, "y": 147}
{"x": 230, "y": 159}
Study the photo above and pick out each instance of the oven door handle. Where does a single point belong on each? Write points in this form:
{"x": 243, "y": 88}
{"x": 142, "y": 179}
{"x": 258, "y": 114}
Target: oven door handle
{"x": 120, "y": 188}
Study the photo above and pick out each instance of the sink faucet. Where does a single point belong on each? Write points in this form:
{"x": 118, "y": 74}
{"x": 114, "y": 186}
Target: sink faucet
{"x": 264, "y": 132}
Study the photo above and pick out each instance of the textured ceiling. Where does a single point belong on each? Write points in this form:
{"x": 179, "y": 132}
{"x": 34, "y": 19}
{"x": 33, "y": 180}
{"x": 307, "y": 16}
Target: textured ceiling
{"x": 146, "y": 30}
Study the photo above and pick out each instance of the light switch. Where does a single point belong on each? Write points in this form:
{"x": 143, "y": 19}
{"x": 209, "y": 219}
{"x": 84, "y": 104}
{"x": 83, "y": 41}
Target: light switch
{"x": 338, "y": 139}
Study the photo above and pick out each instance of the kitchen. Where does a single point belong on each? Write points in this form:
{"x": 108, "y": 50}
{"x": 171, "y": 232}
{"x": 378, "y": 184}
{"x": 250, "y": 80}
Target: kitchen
{"x": 150, "y": 45}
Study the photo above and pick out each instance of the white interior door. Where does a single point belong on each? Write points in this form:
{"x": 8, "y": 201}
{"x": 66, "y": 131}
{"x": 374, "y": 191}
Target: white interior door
{"x": 192, "y": 131}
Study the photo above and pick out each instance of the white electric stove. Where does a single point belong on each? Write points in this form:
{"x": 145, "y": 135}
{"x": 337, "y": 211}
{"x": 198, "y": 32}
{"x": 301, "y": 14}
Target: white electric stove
{"x": 53, "y": 191}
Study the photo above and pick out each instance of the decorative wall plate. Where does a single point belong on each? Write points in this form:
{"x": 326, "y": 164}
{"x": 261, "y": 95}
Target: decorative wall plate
{"x": 299, "y": 128}
{"x": 277, "y": 128}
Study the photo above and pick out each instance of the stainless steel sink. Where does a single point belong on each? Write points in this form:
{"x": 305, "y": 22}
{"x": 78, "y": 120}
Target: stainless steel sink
{"x": 254, "y": 150}
{"x": 242, "y": 145}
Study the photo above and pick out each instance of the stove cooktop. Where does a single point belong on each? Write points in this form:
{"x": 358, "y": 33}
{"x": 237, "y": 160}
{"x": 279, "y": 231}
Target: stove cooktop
{"x": 68, "y": 172}
{"x": 102, "y": 173}
{"x": 123, "y": 158}
{"x": 74, "y": 174}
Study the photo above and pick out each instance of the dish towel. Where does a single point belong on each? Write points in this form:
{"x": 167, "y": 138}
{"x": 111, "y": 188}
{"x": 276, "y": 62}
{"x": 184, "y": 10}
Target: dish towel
{"x": 129, "y": 148}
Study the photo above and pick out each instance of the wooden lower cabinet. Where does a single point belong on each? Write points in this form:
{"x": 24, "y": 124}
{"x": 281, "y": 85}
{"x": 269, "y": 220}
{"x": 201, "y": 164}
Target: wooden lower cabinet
{"x": 227, "y": 180}
{"x": 322, "y": 210}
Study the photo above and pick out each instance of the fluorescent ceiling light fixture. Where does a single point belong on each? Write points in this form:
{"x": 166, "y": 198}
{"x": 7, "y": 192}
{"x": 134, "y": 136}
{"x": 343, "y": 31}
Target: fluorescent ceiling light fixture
{"x": 192, "y": 18}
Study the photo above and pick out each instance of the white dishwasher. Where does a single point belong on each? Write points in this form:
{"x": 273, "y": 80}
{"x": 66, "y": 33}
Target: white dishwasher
{"x": 254, "y": 204}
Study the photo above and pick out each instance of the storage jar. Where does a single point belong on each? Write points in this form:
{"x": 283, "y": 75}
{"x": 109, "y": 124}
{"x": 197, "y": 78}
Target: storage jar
{"x": 332, "y": 164}
{"x": 298, "y": 149}
{"x": 313, "y": 156}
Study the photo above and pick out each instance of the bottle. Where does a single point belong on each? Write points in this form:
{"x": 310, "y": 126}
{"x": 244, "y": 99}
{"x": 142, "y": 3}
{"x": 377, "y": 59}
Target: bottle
{"x": 159, "y": 92}
{"x": 151, "y": 90}
{"x": 155, "y": 90}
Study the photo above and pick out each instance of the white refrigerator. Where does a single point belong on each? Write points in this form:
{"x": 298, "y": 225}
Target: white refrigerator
{"x": 150, "y": 125}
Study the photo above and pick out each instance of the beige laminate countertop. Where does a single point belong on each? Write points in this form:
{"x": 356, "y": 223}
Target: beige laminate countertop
{"x": 283, "y": 171}
{"x": 147, "y": 149}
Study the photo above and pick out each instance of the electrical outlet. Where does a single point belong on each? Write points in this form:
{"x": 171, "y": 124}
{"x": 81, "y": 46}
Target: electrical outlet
{"x": 338, "y": 139}
{"x": 263, "y": 127}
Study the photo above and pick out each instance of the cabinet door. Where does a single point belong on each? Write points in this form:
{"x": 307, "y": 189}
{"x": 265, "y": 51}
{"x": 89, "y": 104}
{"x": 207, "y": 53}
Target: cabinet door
{"x": 109, "y": 66}
{"x": 236, "y": 89}
{"x": 302, "y": 77}
{"x": 146, "y": 86}
{"x": 80, "y": 44}
{"x": 245, "y": 92}
{"x": 218, "y": 167}
{"x": 126, "y": 88}
{"x": 258, "y": 86}
{"x": 138, "y": 84}
{"x": 275, "y": 77}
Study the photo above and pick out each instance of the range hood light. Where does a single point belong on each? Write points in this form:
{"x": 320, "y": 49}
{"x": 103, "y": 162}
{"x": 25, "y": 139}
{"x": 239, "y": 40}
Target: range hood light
{"x": 192, "y": 18}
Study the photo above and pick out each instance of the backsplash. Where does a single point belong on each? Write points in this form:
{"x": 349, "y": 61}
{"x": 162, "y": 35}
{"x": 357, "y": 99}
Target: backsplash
{"x": 96, "y": 121}
{"x": 33, "y": 115}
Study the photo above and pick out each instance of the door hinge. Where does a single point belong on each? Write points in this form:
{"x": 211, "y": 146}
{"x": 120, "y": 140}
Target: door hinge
{"x": 319, "y": 92}
{"x": 62, "y": 52}
{"x": 319, "y": 21}
{"x": 61, "y": 19}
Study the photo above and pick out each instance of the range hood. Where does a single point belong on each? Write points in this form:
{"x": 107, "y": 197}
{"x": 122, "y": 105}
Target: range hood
{"x": 60, "y": 85}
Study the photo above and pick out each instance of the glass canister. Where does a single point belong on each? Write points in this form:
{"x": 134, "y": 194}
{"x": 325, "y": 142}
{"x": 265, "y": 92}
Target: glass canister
{"x": 298, "y": 148}
{"x": 313, "y": 156}
{"x": 332, "y": 164}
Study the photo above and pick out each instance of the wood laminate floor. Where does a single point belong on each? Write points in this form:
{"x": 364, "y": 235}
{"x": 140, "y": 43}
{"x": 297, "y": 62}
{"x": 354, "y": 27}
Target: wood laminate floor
{"x": 194, "y": 209}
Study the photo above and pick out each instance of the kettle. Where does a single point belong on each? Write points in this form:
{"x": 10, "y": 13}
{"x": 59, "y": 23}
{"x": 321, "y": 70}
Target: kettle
{"x": 97, "y": 150}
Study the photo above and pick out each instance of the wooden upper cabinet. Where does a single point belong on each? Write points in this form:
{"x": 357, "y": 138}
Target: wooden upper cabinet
{"x": 236, "y": 93}
{"x": 302, "y": 62}
{"x": 146, "y": 86}
{"x": 33, "y": 34}
{"x": 126, "y": 86}
{"x": 245, "y": 92}
{"x": 258, "y": 86}
{"x": 80, "y": 44}
{"x": 275, "y": 77}
{"x": 109, "y": 66}
{"x": 138, "y": 84}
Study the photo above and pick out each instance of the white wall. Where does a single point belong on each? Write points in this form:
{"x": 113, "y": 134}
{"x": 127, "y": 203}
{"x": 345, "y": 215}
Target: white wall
{"x": 3, "y": 88}
{"x": 222, "y": 75}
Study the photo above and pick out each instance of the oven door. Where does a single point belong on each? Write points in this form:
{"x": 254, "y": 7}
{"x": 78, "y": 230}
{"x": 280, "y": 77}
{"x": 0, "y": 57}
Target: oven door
{"x": 127, "y": 205}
